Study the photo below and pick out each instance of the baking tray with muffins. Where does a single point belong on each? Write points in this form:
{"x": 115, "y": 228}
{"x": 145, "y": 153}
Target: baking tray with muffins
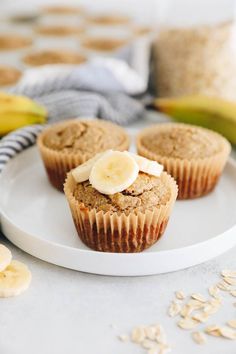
{"x": 83, "y": 198}
{"x": 69, "y": 35}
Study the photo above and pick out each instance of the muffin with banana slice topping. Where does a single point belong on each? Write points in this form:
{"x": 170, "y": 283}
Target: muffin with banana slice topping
{"x": 68, "y": 144}
{"x": 120, "y": 202}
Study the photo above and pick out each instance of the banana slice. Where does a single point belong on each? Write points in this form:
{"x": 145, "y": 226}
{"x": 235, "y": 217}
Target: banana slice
{"x": 5, "y": 257}
{"x": 82, "y": 172}
{"x": 14, "y": 279}
{"x": 114, "y": 172}
{"x": 148, "y": 166}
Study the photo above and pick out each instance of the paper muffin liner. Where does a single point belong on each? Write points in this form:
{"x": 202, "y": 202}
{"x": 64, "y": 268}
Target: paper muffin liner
{"x": 119, "y": 232}
{"x": 57, "y": 164}
{"x": 195, "y": 177}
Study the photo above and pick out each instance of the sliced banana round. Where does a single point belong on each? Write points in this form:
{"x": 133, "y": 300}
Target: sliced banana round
{"x": 114, "y": 172}
{"x": 148, "y": 166}
{"x": 14, "y": 279}
{"x": 82, "y": 172}
{"x": 5, "y": 257}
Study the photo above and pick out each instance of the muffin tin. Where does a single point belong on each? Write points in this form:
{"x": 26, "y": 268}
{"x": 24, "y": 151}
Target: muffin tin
{"x": 126, "y": 42}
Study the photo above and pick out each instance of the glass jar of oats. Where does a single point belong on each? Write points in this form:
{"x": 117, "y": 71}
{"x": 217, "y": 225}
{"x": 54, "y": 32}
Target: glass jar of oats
{"x": 195, "y": 51}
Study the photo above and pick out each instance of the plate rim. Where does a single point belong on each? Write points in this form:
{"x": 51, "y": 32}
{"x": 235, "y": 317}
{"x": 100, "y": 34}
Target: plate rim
{"x": 6, "y": 222}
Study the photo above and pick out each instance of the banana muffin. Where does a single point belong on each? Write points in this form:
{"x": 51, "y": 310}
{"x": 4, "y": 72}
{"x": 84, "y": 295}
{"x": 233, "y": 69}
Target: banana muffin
{"x": 109, "y": 19}
{"x": 103, "y": 43}
{"x": 194, "y": 156}
{"x": 68, "y": 144}
{"x": 59, "y": 30}
{"x": 130, "y": 220}
{"x": 62, "y": 10}
{"x": 14, "y": 41}
{"x": 9, "y": 75}
{"x": 54, "y": 56}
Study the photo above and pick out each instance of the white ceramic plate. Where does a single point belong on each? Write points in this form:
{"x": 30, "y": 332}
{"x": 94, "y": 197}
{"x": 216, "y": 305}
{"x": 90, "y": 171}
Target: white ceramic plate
{"x": 36, "y": 218}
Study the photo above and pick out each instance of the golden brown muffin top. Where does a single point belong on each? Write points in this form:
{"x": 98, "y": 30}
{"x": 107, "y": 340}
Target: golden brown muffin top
{"x": 9, "y": 75}
{"x": 103, "y": 43}
{"x": 182, "y": 141}
{"x": 53, "y": 56}
{"x": 62, "y": 10}
{"x": 109, "y": 19}
{"x": 145, "y": 193}
{"x": 58, "y": 30}
{"x": 85, "y": 136}
{"x": 14, "y": 41}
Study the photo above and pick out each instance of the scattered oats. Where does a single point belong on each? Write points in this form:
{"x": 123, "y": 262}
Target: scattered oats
{"x": 138, "y": 335}
{"x": 232, "y": 323}
{"x": 222, "y": 285}
{"x": 228, "y": 273}
{"x": 212, "y": 306}
{"x": 180, "y": 295}
{"x": 199, "y": 337}
{"x": 174, "y": 309}
{"x": 187, "y": 323}
{"x": 228, "y": 333}
{"x": 213, "y": 330}
{"x": 150, "y": 332}
{"x": 164, "y": 348}
{"x": 123, "y": 337}
{"x": 213, "y": 290}
{"x": 148, "y": 344}
{"x": 201, "y": 317}
{"x": 160, "y": 334}
{"x": 230, "y": 280}
{"x": 186, "y": 311}
{"x": 198, "y": 297}
{"x": 152, "y": 338}
{"x": 233, "y": 293}
{"x": 196, "y": 304}
{"x": 210, "y": 309}
{"x": 154, "y": 350}
{"x": 234, "y": 304}
{"x": 216, "y": 301}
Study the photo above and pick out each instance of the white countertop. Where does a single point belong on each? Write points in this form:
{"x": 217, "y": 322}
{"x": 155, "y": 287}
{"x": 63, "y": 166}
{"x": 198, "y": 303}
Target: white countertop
{"x": 65, "y": 311}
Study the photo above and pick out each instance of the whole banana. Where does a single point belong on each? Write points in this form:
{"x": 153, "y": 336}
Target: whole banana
{"x": 210, "y": 112}
{"x": 18, "y": 111}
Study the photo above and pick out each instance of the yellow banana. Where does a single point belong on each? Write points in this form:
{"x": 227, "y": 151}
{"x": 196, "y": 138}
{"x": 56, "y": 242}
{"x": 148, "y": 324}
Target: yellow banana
{"x": 18, "y": 111}
{"x": 11, "y": 121}
{"x": 210, "y": 112}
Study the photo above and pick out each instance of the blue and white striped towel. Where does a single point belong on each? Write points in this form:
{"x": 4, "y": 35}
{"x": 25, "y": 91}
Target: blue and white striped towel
{"x": 100, "y": 88}
{"x": 17, "y": 141}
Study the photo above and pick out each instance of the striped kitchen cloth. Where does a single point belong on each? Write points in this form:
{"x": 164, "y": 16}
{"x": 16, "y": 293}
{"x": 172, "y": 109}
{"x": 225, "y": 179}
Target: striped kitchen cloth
{"x": 99, "y": 88}
{"x": 17, "y": 141}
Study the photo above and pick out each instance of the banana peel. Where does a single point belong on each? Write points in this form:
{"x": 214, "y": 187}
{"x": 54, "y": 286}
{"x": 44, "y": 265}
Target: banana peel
{"x": 18, "y": 111}
{"x": 209, "y": 112}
